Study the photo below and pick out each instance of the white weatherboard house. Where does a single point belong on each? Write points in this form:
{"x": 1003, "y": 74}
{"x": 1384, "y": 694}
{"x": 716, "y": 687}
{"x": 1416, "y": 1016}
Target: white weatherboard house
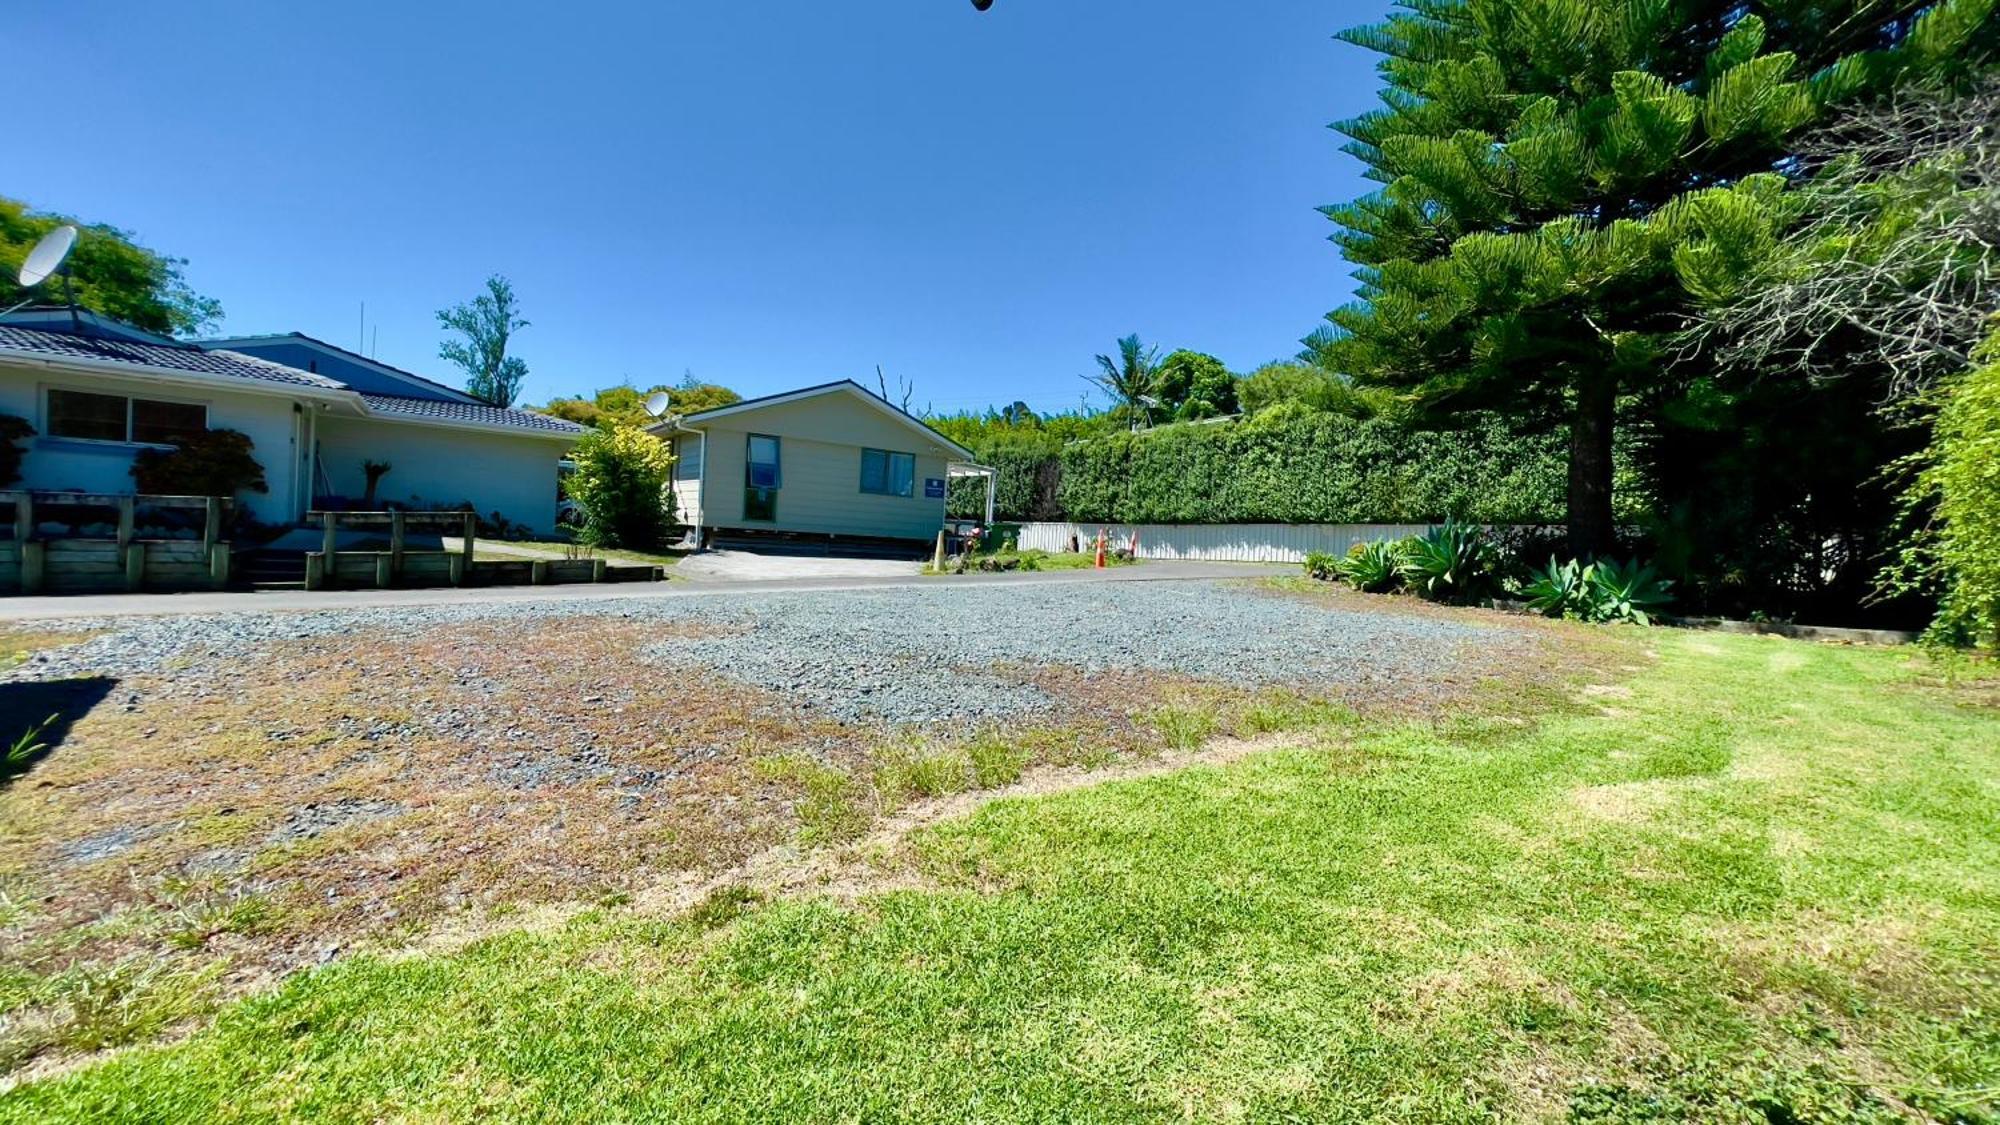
{"x": 97, "y": 391}
{"x": 833, "y": 463}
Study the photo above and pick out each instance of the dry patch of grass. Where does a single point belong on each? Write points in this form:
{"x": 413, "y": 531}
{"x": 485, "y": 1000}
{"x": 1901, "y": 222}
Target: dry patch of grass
{"x": 17, "y": 645}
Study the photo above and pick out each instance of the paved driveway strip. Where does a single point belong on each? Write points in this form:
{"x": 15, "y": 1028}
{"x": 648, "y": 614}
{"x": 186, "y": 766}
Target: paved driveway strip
{"x": 277, "y": 601}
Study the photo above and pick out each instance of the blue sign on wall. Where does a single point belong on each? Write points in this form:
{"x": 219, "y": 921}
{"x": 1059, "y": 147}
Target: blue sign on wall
{"x": 933, "y": 488}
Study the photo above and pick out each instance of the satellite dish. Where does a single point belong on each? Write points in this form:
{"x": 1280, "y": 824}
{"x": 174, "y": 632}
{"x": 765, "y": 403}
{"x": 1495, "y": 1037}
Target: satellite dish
{"x": 656, "y": 405}
{"x": 48, "y": 255}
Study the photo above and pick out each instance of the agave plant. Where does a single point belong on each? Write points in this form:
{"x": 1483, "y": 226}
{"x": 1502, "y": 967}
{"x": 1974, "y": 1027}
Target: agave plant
{"x": 1322, "y": 566}
{"x": 1626, "y": 592}
{"x": 1374, "y": 568}
{"x": 1452, "y": 562}
{"x": 1563, "y": 590}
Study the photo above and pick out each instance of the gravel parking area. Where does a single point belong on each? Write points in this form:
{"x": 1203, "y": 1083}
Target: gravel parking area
{"x": 254, "y": 792}
{"x": 897, "y": 655}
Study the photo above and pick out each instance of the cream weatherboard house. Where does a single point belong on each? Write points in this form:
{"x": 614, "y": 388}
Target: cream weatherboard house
{"x": 828, "y": 465}
{"x": 97, "y": 391}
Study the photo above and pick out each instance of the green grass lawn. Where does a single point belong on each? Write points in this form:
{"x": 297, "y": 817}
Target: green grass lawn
{"x": 1035, "y": 560}
{"x": 560, "y": 546}
{"x": 1757, "y": 881}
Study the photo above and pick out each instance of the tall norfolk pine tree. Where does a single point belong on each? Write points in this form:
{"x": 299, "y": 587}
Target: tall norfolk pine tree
{"x": 1559, "y": 173}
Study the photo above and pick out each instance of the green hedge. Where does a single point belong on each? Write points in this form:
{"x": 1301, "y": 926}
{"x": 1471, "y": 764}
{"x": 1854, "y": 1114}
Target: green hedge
{"x": 1285, "y": 466}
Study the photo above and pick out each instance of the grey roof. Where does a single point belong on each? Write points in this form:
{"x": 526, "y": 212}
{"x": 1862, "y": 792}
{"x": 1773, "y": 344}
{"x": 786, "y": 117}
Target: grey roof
{"x": 434, "y": 410}
{"x": 227, "y": 343}
{"x": 172, "y": 357}
{"x": 233, "y": 365}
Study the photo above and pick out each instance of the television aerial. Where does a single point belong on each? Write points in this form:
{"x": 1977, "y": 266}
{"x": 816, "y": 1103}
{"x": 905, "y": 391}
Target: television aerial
{"x": 50, "y": 256}
{"x": 657, "y": 402}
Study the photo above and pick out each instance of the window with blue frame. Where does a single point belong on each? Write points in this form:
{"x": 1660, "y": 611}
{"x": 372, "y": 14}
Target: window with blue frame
{"x": 884, "y": 473}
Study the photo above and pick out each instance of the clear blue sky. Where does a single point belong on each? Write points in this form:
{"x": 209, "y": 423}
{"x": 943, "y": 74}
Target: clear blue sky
{"x": 770, "y": 194}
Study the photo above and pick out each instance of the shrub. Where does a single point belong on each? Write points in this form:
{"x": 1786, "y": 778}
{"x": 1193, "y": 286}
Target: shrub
{"x": 12, "y": 429}
{"x": 1626, "y": 592}
{"x": 1562, "y": 590}
{"x": 1452, "y": 562}
{"x": 1375, "y": 567}
{"x": 1603, "y": 591}
{"x": 621, "y": 483}
{"x": 1289, "y": 463}
{"x": 1322, "y": 565}
{"x": 211, "y": 463}
{"x": 1959, "y": 553}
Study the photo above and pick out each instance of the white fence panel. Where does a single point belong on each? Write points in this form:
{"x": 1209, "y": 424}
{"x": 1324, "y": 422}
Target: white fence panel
{"x": 1221, "y": 542}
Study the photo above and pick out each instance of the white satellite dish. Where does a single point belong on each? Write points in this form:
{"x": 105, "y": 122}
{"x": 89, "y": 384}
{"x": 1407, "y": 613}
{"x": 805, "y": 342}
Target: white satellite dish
{"x": 656, "y": 405}
{"x": 48, "y": 255}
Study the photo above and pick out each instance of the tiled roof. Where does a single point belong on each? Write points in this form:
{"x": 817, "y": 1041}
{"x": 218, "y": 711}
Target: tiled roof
{"x": 234, "y": 365}
{"x": 172, "y": 357}
{"x": 432, "y": 410}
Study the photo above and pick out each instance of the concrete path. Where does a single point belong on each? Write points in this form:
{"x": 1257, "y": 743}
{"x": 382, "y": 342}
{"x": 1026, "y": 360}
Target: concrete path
{"x": 273, "y": 601}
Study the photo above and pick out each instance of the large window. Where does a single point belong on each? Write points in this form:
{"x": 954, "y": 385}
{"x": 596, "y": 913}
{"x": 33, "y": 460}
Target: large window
{"x": 888, "y": 474}
{"x": 762, "y": 477}
{"x": 96, "y": 417}
{"x": 763, "y": 469}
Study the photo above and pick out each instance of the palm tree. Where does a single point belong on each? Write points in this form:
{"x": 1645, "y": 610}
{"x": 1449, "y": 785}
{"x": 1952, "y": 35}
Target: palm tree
{"x": 1128, "y": 380}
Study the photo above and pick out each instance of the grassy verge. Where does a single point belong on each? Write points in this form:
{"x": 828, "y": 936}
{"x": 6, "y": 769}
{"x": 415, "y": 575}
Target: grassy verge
{"x": 1758, "y": 881}
{"x": 495, "y": 552}
{"x": 998, "y": 561}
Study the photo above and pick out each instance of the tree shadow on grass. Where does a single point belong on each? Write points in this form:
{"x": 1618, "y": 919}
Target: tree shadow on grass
{"x": 35, "y": 718}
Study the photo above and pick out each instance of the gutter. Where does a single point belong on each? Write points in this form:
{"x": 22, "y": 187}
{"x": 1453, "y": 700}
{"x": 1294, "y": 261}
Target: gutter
{"x": 177, "y": 377}
{"x": 183, "y": 378}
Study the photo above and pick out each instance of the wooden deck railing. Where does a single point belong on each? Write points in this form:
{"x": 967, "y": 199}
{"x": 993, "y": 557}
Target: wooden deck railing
{"x": 330, "y": 566}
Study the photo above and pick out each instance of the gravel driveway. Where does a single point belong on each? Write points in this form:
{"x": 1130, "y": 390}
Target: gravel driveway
{"x": 896, "y": 655}
{"x": 355, "y": 774}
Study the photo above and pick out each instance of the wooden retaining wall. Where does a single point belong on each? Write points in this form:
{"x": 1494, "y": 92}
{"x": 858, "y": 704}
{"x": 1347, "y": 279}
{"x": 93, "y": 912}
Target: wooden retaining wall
{"x": 33, "y": 565}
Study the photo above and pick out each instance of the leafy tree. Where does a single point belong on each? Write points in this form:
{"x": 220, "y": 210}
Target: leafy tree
{"x": 1191, "y": 386}
{"x": 1313, "y": 388}
{"x": 625, "y": 404}
{"x": 490, "y": 373}
{"x": 109, "y": 274}
{"x": 1128, "y": 380}
{"x": 692, "y": 396}
{"x": 1554, "y": 170}
{"x": 621, "y": 483}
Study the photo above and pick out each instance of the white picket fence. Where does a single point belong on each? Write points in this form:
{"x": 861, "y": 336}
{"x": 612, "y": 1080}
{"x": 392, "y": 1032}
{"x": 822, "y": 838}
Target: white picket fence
{"x": 1221, "y": 542}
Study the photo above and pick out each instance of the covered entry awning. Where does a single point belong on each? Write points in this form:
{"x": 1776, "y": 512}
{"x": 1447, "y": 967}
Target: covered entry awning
{"x": 960, "y": 470}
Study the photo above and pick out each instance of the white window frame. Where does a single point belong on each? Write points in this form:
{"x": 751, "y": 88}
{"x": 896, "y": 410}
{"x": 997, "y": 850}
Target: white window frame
{"x": 47, "y": 428}
{"x": 888, "y": 473}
